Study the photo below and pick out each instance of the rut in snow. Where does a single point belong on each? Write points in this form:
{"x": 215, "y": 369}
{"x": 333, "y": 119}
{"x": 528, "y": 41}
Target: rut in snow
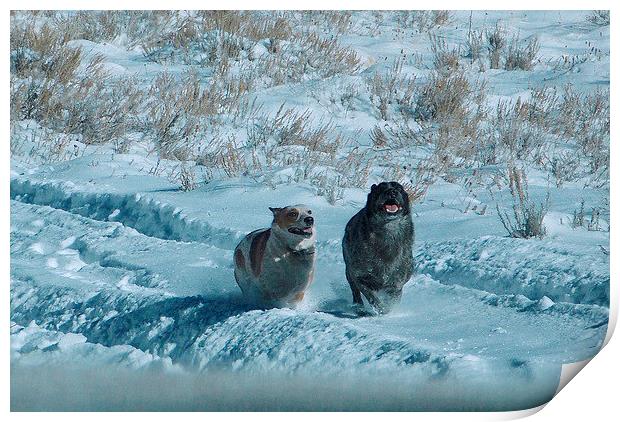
{"x": 144, "y": 214}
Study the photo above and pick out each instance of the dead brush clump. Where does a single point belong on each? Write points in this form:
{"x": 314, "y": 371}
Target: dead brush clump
{"x": 222, "y": 39}
{"x": 425, "y": 20}
{"x": 511, "y": 135}
{"x": 441, "y": 17}
{"x": 583, "y": 120}
{"x": 176, "y": 110}
{"x": 392, "y": 89}
{"x": 580, "y": 114}
{"x": 579, "y": 218}
{"x": 231, "y": 160}
{"x": 570, "y": 110}
{"x": 40, "y": 52}
{"x": 128, "y": 27}
{"x": 36, "y": 144}
{"x": 595, "y": 148}
{"x": 416, "y": 179}
{"x": 187, "y": 179}
{"x": 104, "y": 25}
{"x": 209, "y": 37}
{"x": 255, "y": 25}
{"x": 103, "y": 111}
{"x": 457, "y": 140}
{"x": 521, "y": 129}
{"x": 328, "y": 57}
{"x": 564, "y": 167}
{"x": 402, "y": 134}
{"x": 330, "y": 21}
{"x": 180, "y": 111}
{"x": 355, "y": 167}
{"x": 312, "y": 149}
{"x": 474, "y": 45}
{"x": 224, "y": 154}
{"x": 291, "y": 127}
{"x": 496, "y": 43}
{"x": 539, "y": 109}
{"x": 308, "y": 56}
{"x": 48, "y": 86}
{"x": 351, "y": 170}
{"x": 449, "y": 114}
{"x": 311, "y": 56}
{"x": 521, "y": 56}
{"x": 190, "y": 45}
{"x": 444, "y": 59}
{"x": 443, "y": 96}
{"x": 378, "y": 137}
{"x": 527, "y": 216}
{"x": 599, "y": 17}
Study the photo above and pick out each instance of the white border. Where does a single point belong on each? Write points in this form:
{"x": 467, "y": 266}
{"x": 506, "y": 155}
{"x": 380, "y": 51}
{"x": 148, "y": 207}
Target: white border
{"x": 592, "y": 395}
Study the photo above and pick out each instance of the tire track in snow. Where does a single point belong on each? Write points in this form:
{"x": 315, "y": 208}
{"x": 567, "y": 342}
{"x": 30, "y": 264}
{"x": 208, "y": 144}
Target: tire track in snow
{"x": 144, "y": 214}
{"x": 531, "y": 268}
{"x": 140, "y": 212}
{"x": 95, "y": 246}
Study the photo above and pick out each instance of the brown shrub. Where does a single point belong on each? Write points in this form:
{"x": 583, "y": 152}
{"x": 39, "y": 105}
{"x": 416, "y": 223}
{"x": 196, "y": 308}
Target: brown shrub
{"x": 527, "y": 216}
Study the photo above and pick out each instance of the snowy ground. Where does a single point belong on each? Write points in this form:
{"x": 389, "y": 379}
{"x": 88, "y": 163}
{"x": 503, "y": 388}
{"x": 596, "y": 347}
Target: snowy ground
{"x": 117, "y": 269}
{"x": 142, "y": 278}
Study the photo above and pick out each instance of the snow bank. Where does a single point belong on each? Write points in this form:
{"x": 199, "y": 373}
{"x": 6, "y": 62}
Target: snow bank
{"x": 531, "y": 268}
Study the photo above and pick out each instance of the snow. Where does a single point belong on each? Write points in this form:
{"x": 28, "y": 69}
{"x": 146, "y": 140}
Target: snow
{"x": 115, "y": 267}
{"x": 162, "y": 283}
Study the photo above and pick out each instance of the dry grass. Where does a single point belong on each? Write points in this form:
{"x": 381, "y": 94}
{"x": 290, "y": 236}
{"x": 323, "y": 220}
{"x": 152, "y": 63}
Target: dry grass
{"x": 521, "y": 56}
{"x": 187, "y": 179}
{"x": 197, "y": 117}
{"x": 444, "y": 58}
{"x": 331, "y": 22}
{"x": 296, "y": 140}
{"x": 474, "y": 45}
{"x": 579, "y": 218}
{"x": 48, "y": 86}
{"x": 425, "y": 20}
{"x": 565, "y": 168}
{"x": 289, "y": 127}
{"x": 220, "y": 38}
{"x": 391, "y": 90}
{"x": 496, "y": 43}
{"x": 444, "y": 96}
{"x": 599, "y": 17}
{"x": 527, "y": 216}
{"x": 512, "y": 136}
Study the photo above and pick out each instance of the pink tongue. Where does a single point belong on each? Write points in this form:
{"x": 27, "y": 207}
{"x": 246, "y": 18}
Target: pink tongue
{"x": 307, "y": 230}
{"x": 391, "y": 208}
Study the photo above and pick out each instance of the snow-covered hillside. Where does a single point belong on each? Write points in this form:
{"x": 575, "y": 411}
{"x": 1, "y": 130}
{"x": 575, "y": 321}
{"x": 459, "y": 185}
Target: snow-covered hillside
{"x": 121, "y": 258}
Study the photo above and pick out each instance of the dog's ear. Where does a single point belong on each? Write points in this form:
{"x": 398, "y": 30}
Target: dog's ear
{"x": 275, "y": 210}
{"x": 373, "y": 192}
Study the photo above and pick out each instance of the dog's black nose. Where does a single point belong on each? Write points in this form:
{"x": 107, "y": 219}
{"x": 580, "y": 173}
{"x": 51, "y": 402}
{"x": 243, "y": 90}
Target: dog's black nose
{"x": 392, "y": 193}
{"x": 309, "y": 221}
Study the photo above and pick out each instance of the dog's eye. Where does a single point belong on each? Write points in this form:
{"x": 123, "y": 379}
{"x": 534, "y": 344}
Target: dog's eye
{"x": 309, "y": 212}
{"x": 293, "y": 214}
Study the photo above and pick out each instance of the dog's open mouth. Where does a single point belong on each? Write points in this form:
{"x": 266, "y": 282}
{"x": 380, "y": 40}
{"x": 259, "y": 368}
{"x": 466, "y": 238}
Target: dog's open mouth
{"x": 391, "y": 206}
{"x": 301, "y": 231}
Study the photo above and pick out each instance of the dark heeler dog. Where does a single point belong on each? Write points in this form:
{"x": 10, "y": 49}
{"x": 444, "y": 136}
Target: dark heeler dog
{"x": 377, "y": 247}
